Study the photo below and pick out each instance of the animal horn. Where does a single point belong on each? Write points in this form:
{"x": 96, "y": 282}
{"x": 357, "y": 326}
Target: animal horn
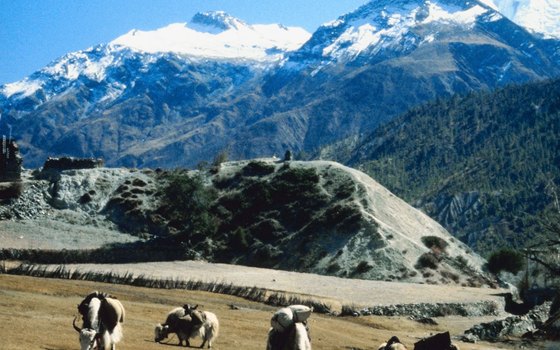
{"x": 74, "y": 324}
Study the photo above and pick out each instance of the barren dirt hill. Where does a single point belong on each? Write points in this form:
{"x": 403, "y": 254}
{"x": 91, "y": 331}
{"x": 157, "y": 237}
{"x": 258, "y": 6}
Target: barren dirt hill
{"x": 318, "y": 216}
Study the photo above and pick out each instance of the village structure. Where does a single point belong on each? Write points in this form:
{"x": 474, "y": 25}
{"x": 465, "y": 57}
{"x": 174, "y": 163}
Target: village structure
{"x": 10, "y": 161}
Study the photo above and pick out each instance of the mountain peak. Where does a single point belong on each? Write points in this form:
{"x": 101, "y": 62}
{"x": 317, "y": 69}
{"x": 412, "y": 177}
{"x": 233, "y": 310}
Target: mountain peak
{"x": 215, "y": 22}
{"x": 397, "y": 25}
{"x": 217, "y": 35}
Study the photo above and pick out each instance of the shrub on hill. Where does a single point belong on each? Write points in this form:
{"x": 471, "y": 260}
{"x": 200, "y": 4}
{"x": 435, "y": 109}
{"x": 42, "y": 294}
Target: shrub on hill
{"x": 427, "y": 260}
{"x": 257, "y": 168}
{"x": 363, "y": 267}
{"x": 506, "y": 260}
{"x": 435, "y": 243}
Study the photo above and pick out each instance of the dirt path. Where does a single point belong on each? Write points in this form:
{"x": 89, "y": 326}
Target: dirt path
{"x": 347, "y": 291}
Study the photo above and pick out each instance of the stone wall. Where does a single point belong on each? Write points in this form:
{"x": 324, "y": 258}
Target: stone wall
{"x": 67, "y": 163}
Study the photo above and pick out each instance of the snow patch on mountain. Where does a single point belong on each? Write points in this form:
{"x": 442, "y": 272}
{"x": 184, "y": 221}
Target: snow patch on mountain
{"x": 114, "y": 91}
{"x": 23, "y": 88}
{"x": 80, "y": 63}
{"x": 439, "y": 13}
{"x": 539, "y": 16}
{"x": 216, "y": 35}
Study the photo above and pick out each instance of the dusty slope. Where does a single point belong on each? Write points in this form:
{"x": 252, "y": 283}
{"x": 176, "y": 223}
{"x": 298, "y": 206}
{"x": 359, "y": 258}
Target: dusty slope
{"x": 53, "y": 234}
{"x": 362, "y": 230}
{"x": 400, "y": 225}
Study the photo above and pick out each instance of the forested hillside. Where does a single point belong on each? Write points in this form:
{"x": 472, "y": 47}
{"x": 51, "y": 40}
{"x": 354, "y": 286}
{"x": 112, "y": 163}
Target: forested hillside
{"x": 485, "y": 165}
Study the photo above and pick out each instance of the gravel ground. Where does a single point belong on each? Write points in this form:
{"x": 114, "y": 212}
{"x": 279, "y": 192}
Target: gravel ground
{"x": 50, "y": 234}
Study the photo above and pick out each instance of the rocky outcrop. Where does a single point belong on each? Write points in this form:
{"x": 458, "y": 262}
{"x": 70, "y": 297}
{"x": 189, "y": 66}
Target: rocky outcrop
{"x": 515, "y": 326}
{"x": 440, "y": 341}
{"x": 423, "y": 311}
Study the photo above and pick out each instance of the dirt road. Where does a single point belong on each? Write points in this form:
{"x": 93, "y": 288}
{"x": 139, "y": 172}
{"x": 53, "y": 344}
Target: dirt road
{"x": 364, "y": 293}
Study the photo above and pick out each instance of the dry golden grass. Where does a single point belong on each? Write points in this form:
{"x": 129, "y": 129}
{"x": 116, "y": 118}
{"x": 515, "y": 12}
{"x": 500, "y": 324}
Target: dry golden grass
{"x": 37, "y": 313}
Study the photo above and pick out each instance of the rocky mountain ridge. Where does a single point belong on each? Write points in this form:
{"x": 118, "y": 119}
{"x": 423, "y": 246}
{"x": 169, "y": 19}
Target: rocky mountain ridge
{"x": 166, "y": 109}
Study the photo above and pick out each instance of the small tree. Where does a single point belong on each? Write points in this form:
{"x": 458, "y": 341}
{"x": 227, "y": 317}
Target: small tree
{"x": 220, "y": 158}
{"x": 506, "y": 260}
{"x": 427, "y": 260}
{"x": 239, "y": 239}
{"x": 188, "y": 205}
{"x": 288, "y": 156}
{"x": 551, "y": 231}
{"x": 434, "y": 243}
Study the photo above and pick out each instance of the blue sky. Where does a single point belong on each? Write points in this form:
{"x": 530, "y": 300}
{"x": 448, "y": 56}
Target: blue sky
{"x": 35, "y": 32}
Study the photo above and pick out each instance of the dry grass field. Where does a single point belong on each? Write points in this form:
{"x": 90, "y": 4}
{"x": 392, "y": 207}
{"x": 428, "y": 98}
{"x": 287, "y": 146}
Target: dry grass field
{"x": 37, "y": 313}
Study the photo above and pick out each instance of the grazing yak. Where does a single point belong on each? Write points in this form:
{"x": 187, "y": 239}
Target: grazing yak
{"x": 205, "y": 324}
{"x": 289, "y": 329}
{"x": 102, "y": 317}
{"x": 176, "y": 322}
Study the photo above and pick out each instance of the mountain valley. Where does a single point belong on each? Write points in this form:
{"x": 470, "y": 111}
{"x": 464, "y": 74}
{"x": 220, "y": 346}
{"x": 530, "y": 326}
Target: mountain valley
{"x": 419, "y": 139}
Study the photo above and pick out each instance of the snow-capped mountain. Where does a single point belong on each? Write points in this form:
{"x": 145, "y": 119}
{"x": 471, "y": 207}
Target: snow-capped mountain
{"x": 91, "y": 64}
{"x": 210, "y": 35}
{"x": 401, "y": 26}
{"x": 397, "y": 25}
{"x": 183, "y": 93}
{"x": 377, "y": 61}
{"x": 218, "y": 35}
{"x": 539, "y": 16}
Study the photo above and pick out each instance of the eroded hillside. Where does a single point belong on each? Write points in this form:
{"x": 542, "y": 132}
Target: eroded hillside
{"x": 317, "y": 216}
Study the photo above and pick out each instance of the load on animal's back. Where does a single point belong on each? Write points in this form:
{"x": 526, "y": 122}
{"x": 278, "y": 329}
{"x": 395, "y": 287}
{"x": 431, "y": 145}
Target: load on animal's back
{"x": 102, "y": 317}
{"x": 205, "y": 324}
{"x": 289, "y": 329}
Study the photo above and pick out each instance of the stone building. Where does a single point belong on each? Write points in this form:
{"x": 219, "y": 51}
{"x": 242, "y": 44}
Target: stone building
{"x": 10, "y": 161}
